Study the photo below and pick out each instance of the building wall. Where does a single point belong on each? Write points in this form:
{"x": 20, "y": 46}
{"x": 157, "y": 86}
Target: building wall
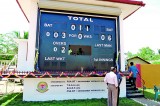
{"x": 22, "y": 54}
{"x": 137, "y": 61}
{"x": 67, "y": 88}
{"x": 150, "y": 74}
{"x": 26, "y": 51}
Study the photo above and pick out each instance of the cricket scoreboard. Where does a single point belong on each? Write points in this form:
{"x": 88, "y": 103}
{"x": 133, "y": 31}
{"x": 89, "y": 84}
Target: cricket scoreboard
{"x": 74, "y": 42}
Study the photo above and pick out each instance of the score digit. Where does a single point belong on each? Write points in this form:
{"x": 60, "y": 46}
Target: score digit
{"x": 63, "y": 35}
{"x": 63, "y": 50}
{"x": 55, "y": 34}
{"x": 73, "y": 27}
{"x": 103, "y": 37}
{"x": 87, "y": 27}
{"x": 55, "y": 49}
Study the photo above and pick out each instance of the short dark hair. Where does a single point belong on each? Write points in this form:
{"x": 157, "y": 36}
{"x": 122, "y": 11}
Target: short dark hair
{"x": 131, "y": 63}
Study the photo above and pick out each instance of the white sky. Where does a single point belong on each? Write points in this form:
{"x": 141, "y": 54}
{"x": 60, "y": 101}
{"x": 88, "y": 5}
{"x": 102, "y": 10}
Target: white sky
{"x": 11, "y": 17}
{"x": 141, "y": 29}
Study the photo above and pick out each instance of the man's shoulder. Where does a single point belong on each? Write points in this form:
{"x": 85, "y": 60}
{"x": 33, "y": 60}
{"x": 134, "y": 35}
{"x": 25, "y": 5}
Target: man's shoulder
{"x": 133, "y": 67}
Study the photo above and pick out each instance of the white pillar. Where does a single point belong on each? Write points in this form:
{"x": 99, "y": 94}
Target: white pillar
{"x": 32, "y": 35}
{"x": 122, "y": 44}
{"x": 22, "y": 54}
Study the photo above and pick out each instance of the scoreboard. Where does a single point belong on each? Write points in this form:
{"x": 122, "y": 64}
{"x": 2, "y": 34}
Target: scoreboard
{"x": 76, "y": 42}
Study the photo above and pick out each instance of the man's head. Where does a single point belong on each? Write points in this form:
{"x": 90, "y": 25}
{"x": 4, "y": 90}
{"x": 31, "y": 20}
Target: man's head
{"x": 113, "y": 69}
{"x": 131, "y": 63}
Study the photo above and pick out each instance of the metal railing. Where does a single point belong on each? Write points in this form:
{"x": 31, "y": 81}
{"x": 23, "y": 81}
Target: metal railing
{"x": 5, "y": 65}
{"x": 13, "y": 62}
{"x": 142, "y": 83}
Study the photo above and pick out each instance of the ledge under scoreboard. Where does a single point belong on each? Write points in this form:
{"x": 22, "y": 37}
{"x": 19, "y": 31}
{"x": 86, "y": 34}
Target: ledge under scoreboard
{"x": 76, "y": 42}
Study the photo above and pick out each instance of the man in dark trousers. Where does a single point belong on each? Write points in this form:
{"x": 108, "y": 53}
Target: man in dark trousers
{"x": 112, "y": 83}
{"x": 119, "y": 78}
{"x": 133, "y": 69}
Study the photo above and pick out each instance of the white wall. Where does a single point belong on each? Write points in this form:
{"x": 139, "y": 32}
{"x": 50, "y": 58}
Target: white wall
{"x": 26, "y": 50}
{"x": 57, "y": 88}
{"x": 32, "y": 35}
{"x": 22, "y": 54}
{"x": 121, "y": 44}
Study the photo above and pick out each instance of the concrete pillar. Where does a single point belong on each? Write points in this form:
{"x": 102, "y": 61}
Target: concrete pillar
{"x": 22, "y": 54}
{"x": 122, "y": 44}
{"x": 32, "y": 35}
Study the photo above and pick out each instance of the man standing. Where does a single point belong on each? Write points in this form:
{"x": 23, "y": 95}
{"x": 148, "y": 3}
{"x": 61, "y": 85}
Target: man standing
{"x": 119, "y": 78}
{"x": 112, "y": 82}
{"x": 133, "y": 69}
{"x": 69, "y": 50}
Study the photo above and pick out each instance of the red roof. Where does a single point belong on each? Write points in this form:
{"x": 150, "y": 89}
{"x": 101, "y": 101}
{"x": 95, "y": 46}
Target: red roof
{"x": 127, "y": 2}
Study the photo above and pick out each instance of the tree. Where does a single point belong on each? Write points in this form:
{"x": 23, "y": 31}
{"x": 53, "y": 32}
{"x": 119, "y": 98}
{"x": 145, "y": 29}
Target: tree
{"x": 129, "y": 55}
{"x": 8, "y": 45}
{"x": 147, "y": 54}
{"x": 159, "y": 51}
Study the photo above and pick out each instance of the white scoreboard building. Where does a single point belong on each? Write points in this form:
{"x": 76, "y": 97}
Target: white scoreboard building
{"x": 74, "y": 43}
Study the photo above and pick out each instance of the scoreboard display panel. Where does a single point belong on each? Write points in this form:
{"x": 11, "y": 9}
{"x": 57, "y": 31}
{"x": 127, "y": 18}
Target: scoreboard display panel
{"x": 76, "y": 42}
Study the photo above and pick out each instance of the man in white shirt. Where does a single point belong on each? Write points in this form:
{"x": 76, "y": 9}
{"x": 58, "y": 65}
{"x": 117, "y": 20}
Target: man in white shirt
{"x": 112, "y": 82}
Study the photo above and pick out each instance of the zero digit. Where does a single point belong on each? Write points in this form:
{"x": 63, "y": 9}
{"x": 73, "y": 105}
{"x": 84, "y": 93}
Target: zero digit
{"x": 73, "y": 27}
{"x": 80, "y": 36}
{"x": 55, "y": 49}
{"x": 55, "y": 34}
{"x": 103, "y": 37}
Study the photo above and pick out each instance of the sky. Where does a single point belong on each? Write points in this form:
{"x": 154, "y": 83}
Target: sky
{"x": 11, "y": 17}
{"x": 141, "y": 29}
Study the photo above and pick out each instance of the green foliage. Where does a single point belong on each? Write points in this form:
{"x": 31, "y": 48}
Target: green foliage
{"x": 130, "y": 55}
{"x": 147, "y": 54}
{"x": 26, "y": 35}
{"x": 17, "y": 101}
{"x": 156, "y": 62}
{"x": 159, "y": 51}
{"x": 7, "y": 43}
{"x": 17, "y": 34}
{"x": 6, "y": 57}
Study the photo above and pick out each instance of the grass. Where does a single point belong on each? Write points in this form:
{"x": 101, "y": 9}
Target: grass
{"x": 16, "y": 100}
{"x": 149, "y": 93}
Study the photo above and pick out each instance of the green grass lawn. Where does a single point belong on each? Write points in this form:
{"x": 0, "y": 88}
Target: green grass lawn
{"x": 149, "y": 93}
{"x": 16, "y": 100}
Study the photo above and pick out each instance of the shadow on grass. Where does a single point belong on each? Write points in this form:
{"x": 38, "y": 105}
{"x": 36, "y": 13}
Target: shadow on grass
{"x": 17, "y": 101}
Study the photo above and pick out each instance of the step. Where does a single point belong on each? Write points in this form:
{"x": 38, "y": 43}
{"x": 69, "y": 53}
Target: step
{"x": 128, "y": 82}
{"x": 130, "y": 88}
{"x": 128, "y": 85}
{"x": 133, "y": 91}
{"x": 135, "y": 95}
